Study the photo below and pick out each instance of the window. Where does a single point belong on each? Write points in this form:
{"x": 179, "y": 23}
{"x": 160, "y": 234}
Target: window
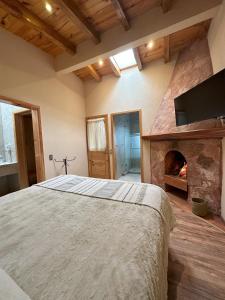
{"x": 124, "y": 59}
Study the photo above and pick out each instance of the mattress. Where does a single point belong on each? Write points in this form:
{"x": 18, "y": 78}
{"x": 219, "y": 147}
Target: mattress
{"x": 61, "y": 244}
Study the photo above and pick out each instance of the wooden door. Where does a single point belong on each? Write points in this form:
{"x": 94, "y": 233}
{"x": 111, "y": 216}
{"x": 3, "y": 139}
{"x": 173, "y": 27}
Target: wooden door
{"x": 98, "y": 147}
{"x": 21, "y": 149}
{"x": 30, "y": 157}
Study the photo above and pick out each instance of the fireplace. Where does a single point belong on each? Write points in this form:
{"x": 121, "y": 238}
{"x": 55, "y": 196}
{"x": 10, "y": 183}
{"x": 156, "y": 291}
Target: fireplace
{"x": 176, "y": 172}
{"x": 203, "y": 158}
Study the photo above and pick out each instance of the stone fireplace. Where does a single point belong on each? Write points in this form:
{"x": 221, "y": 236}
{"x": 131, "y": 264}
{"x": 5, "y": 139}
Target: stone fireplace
{"x": 204, "y": 167}
{"x": 199, "y": 145}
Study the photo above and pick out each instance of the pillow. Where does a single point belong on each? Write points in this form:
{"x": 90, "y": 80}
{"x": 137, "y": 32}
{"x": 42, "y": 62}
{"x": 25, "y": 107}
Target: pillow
{"x": 9, "y": 289}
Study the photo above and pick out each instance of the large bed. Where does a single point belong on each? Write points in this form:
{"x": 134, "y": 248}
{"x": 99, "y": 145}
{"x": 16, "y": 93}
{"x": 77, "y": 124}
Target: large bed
{"x": 82, "y": 238}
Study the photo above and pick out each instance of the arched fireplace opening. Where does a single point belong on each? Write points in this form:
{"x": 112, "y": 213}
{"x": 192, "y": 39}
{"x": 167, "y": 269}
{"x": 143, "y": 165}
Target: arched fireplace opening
{"x": 175, "y": 177}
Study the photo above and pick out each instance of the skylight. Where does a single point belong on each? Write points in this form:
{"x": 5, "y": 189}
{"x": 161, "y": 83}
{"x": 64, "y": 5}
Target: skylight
{"x": 124, "y": 59}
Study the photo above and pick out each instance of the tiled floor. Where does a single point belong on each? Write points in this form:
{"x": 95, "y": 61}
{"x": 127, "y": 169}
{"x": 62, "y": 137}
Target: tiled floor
{"x": 131, "y": 177}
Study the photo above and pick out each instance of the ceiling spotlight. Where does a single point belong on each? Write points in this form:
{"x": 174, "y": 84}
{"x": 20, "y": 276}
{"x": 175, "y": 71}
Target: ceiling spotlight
{"x": 101, "y": 62}
{"x": 48, "y": 7}
{"x": 150, "y": 45}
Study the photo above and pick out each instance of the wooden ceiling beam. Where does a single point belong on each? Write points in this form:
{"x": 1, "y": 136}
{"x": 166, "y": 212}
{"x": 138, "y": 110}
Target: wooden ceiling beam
{"x": 167, "y": 49}
{"x": 138, "y": 59}
{"x": 114, "y": 67}
{"x": 76, "y": 16}
{"x": 19, "y": 11}
{"x": 94, "y": 73}
{"x": 166, "y": 5}
{"x": 121, "y": 14}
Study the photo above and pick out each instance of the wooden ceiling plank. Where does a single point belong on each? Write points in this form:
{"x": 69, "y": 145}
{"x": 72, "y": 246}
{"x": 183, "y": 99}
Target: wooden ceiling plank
{"x": 167, "y": 49}
{"x": 16, "y": 9}
{"x": 114, "y": 68}
{"x": 94, "y": 73}
{"x": 121, "y": 14}
{"x": 76, "y": 16}
{"x": 166, "y": 5}
{"x": 138, "y": 59}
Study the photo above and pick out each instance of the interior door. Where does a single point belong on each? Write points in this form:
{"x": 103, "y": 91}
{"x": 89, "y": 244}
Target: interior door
{"x": 98, "y": 147}
{"x": 21, "y": 148}
{"x": 29, "y": 147}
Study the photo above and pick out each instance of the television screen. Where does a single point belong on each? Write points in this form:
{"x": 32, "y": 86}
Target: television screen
{"x": 204, "y": 101}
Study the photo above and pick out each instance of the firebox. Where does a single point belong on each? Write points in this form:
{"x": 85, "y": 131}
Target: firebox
{"x": 176, "y": 172}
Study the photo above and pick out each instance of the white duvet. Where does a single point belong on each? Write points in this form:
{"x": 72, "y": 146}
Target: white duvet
{"x": 64, "y": 246}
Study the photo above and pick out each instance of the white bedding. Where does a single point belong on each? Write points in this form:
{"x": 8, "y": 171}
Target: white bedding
{"x": 9, "y": 290}
{"x": 59, "y": 245}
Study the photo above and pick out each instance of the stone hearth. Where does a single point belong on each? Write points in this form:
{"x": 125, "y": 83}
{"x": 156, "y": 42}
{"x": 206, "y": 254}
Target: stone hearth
{"x": 204, "y": 160}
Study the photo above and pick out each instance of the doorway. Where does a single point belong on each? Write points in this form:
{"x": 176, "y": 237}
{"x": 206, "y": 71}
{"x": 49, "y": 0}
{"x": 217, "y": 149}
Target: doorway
{"x": 127, "y": 146}
{"x": 21, "y": 146}
{"x": 25, "y": 148}
{"x": 98, "y": 146}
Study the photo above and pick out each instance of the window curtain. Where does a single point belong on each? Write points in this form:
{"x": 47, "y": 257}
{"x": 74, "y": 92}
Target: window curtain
{"x": 96, "y": 135}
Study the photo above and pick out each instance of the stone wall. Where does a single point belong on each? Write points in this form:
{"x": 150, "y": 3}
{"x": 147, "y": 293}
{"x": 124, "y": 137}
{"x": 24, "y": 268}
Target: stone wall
{"x": 204, "y": 159}
{"x": 193, "y": 66}
{"x": 204, "y": 156}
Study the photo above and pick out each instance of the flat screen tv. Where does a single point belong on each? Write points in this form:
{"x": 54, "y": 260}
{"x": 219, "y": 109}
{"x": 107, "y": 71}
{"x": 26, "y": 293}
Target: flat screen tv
{"x": 204, "y": 101}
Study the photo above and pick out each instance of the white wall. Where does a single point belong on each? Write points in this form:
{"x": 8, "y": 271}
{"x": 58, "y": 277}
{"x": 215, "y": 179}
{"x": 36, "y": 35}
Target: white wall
{"x": 26, "y": 73}
{"x": 216, "y": 38}
{"x": 133, "y": 90}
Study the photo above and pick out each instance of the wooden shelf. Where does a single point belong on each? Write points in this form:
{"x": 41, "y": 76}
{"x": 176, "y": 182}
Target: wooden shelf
{"x": 177, "y": 182}
{"x": 188, "y": 135}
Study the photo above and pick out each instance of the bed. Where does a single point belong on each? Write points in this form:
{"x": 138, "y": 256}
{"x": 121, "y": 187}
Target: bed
{"x": 75, "y": 237}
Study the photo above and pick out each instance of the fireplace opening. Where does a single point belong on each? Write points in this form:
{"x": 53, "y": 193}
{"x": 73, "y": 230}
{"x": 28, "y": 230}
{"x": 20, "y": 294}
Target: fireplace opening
{"x": 175, "y": 177}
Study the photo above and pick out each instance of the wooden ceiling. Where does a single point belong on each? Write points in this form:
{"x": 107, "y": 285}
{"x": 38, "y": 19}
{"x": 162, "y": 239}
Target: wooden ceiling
{"x": 71, "y": 21}
{"x": 164, "y": 48}
{"x": 74, "y": 21}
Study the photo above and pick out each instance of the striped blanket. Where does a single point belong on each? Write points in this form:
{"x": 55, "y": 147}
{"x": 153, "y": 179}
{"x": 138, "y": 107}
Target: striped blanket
{"x": 98, "y": 188}
{"x": 115, "y": 190}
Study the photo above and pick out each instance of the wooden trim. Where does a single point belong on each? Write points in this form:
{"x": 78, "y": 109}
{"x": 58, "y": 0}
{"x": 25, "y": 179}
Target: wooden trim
{"x": 38, "y": 145}
{"x": 94, "y": 73}
{"x": 121, "y": 14}
{"x": 114, "y": 67}
{"x": 19, "y": 11}
{"x": 141, "y": 144}
{"x": 188, "y": 135}
{"x": 96, "y": 117}
{"x": 37, "y": 130}
{"x": 113, "y": 141}
{"x": 75, "y": 15}
{"x": 126, "y": 112}
{"x": 17, "y": 102}
{"x": 138, "y": 59}
{"x": 166, "y": 5}
{"x": 167, "y": 49}
{"x": 114, "y": 168}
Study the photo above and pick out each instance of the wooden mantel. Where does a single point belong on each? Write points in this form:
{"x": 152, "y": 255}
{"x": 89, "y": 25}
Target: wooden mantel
{"x": 188, "y": 135}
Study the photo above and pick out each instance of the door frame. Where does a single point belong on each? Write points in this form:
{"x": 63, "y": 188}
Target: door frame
{"x": 112, "y": 115}
{"x": 105, "y": 116}
{"x": 37, "y": 131}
